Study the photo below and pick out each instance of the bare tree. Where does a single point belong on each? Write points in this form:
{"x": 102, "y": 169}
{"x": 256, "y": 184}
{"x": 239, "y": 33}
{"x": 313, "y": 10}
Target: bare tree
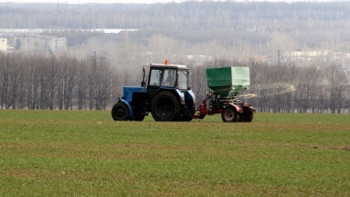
{"x": 337, "y": 88}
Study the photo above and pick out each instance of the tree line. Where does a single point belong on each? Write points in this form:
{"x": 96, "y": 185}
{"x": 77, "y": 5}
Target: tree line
{"x": 66, "y": 83}
{"x": 39, "y": 82}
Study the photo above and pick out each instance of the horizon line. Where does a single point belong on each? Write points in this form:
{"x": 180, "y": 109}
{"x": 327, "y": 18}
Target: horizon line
{"x": 160, "y": 2}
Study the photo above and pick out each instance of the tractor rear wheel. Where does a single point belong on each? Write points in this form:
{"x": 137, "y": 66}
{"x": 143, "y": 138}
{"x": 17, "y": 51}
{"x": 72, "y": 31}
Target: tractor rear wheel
{"x": 190, "y": 111}
{"x": 183, "y": 118}
{"x": 187, "y": 118}
{"x": 120, "y": 111}
{"x": 229, "y": 115}
{"x": 189, "y": 114}
{"x": 138, "y": 116}
{"x": 165, "y": 107}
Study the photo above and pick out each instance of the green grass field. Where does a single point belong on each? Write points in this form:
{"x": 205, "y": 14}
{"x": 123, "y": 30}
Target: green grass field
{"x": 86, "y": 153}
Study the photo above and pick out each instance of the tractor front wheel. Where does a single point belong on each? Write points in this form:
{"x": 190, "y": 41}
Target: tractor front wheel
{"x": 229, "y": 115}
{"x": 120, "y": 111}
{"x": 165, "y": 107}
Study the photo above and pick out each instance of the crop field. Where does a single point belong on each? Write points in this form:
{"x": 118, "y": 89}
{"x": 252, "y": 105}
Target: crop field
{"x": 86, "y": 153}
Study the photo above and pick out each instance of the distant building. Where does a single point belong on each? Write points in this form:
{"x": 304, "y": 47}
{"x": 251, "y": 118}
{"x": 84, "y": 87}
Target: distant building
{"x": 199, "y": 58}
{"x": 346, "y": 61}
{"x": 57, "y": 44}
{"x": 3, "y": 44}
{"x": 260, "y": 59}
{"x": 40, "y": 44}
{"x": 306, "y": 55}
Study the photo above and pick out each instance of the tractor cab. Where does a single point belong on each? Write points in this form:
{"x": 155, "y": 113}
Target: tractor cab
{"x": 175, "y": 76}
{"x": 167, "y": 77}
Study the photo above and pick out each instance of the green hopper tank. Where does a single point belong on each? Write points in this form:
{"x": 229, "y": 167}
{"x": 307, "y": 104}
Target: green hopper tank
{"x": 228, "y": 81}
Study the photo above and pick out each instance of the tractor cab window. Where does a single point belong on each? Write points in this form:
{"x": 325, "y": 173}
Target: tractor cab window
{"x": 169, "y": 78}
{"x": 182, "y": 79}
{"x": 155, "y": 77}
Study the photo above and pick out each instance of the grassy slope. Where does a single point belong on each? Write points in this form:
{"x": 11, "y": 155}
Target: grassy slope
{"x": 86, "y": 153}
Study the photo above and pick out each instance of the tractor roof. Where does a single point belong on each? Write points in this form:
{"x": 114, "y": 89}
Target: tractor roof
{"x": 178, "y": 66}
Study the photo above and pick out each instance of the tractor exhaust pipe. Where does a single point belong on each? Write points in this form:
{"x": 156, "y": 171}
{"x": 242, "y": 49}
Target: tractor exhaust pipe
{"x": 143, "y": 83}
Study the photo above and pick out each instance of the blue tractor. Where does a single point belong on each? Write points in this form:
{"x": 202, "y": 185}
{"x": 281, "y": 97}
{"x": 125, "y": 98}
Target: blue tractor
{"x": 166, "y": 95}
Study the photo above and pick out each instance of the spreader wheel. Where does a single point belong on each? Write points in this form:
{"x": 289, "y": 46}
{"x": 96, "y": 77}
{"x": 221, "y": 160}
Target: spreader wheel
{"x": 250, "y": 117}
{"x": 120, "y": 112}
{"x": 229, "y": 115}
{"x": 247, "y": 115}
{"x": 165, "y": 107}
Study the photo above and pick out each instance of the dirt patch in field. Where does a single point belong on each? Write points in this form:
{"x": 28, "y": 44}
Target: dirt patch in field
{"x": 346, "y": 148}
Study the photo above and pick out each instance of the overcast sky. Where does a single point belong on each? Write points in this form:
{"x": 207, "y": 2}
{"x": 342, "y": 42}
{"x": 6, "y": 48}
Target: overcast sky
{"x": 147, "y": 1}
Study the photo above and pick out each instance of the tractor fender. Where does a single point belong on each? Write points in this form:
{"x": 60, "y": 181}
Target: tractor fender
{"x": 250, "y": 108}
{"x": 177, "y": 92}
{"x": 181, "y": 96}
{"x": 235, "y": 107}
{"x": 189, "y": 95}
{"x": 245, "y": 106}
{"x": 131, "y": 113}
